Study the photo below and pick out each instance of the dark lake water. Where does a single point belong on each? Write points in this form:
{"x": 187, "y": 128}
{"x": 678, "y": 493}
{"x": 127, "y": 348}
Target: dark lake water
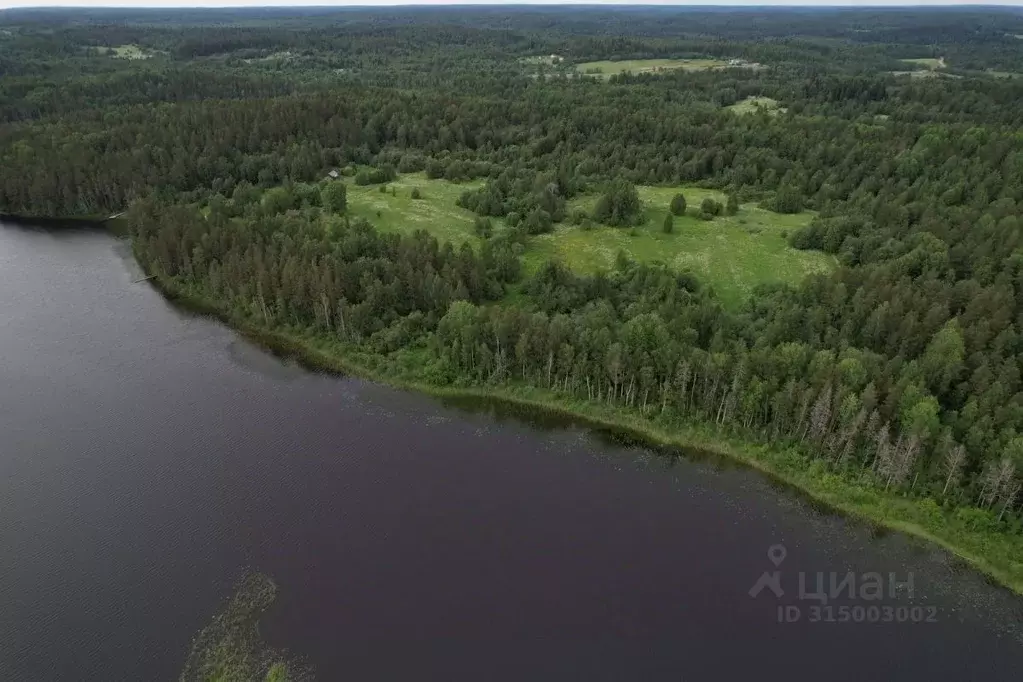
{"x": 148, "y": 457}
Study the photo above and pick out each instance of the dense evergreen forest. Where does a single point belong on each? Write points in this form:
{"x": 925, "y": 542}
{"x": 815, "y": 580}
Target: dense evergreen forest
{"x": 899, "y": 371}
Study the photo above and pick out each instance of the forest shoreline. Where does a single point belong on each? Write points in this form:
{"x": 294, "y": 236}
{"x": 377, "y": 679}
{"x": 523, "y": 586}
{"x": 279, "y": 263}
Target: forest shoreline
{"x": 58, "y": 222}
{"x": 991, "y": 554}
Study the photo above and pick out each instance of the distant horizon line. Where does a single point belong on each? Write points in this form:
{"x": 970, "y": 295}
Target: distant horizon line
{"x": 848, "y": 4}
{"x": 165, "y": 5}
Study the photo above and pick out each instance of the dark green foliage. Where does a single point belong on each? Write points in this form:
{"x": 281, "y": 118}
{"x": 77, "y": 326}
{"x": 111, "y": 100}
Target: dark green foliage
{"x": 538, "y": 221}
{"x": 416, "y": 194}
{"x": 619, "y": 205}
{"x": 520, "y": 193}
{"x": 668, "y": 226}
{"x": 435, "y": 169}
{"x": 278, "y": 200}
{"x": 483, "y": 227}
{"x": 787, "y": 200}
{"x": 334, "y": 196}
{"x": 375, "y": 176}
{"x": 732, "y": 207}
{"x": 709, "y": 209}
{"x": 678, "y": 205}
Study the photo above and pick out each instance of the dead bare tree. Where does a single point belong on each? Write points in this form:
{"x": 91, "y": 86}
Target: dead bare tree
{"x": 903, "y": 461}
{"x": 820, "y": 416}
{"x": 842, "y": 446}
{"x": 882, "y": 448}
{"x": 1009, "y": 495}
{"x": 804, "y": 410}
{"x": 994, "y": 479}
{"x": 955, "y": 459}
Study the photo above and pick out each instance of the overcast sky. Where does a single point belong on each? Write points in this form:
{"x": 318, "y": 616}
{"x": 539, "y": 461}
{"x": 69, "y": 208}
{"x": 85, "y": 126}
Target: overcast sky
{"x": 244, "y": 3}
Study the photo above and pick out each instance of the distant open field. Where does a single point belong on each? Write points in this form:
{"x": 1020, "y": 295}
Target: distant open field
{"x": 274, "y": 57}
{"x": 752, "y": 105}
{"x": 607, "y": 69}
{"x": 731, "y": 253}
{"x": 546, "y": 59}
{"x": 919, "y": 74}
{"x": 125, "y": 52}
{"x": 927, "y": 62}
{"x": 399, "y": 212}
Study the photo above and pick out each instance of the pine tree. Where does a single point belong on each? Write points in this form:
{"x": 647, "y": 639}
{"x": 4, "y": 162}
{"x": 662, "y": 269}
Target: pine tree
{"x": 678, "y": 204}
{"x": 733, "y": 205}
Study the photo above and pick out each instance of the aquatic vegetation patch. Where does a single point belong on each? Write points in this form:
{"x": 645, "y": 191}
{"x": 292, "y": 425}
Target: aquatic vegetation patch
{"x": 230, "y": 649}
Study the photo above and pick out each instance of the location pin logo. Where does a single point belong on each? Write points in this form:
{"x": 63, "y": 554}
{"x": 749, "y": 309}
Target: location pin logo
{"x": 771, "y": 580}
{"x": 777, "y": 554}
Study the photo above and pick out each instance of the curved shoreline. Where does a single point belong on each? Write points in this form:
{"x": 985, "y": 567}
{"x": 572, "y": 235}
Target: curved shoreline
{"x": 686, "y": 439}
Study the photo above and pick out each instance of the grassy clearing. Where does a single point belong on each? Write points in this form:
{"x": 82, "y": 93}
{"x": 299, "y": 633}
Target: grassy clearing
{"x": 606, "y": 69}
{"x": 927, "y": 62}
{"x": 435, "y": 212}
{"x": 275, "y": 57}
{"x": 546, "y": 59}
{"x": 926, "y": 74}
{"x": 752, "y": 105}
{"x": 731, "y": 253}
{"x": 131, "y": 52}
{"x": 917, "y": 74}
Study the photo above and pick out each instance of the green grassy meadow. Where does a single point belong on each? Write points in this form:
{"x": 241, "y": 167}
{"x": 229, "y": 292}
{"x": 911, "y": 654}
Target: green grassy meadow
{"x": 607, "y": 69}
{"x": 919, "y": 74}
{"x": 752, "y": 105}
{"x": 731, "y": 253}
{"x": 125, "y": 52}
{"x": 545, "y": 59}
{"x": 927, "y": 62}
{"x": 435, "y": 212}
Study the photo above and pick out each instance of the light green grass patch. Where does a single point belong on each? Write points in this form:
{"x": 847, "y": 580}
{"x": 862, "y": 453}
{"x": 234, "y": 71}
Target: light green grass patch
{"x": 435, "y": 212}
{"x": 546, "y": 59}
{"x": 731, "y": 253}
{"x": 606, "y": 69}
{"x": 927, "y": 62}
{"x": 274, "y": 57}
{"x": 926, "y": 74}
{"x": 125, "y": 52}
{"x": 752, "y": 105}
